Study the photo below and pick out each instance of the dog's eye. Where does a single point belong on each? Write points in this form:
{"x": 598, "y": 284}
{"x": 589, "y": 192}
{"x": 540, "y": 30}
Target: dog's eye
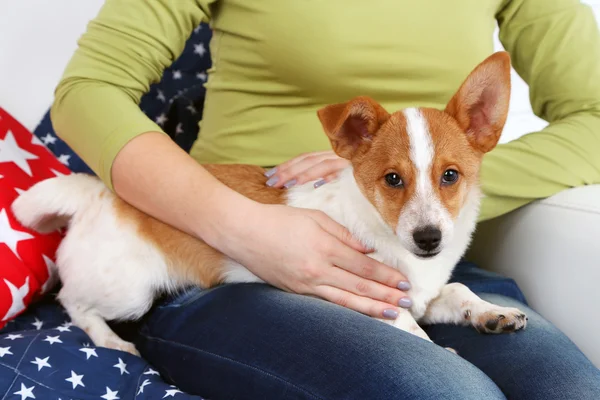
{"x": 393, "y": 180}
{"x": 450, "y": 176}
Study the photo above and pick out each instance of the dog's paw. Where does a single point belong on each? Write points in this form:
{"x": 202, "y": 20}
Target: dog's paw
{"x": 496, "y": 319}
{"x": 122, "y": 345}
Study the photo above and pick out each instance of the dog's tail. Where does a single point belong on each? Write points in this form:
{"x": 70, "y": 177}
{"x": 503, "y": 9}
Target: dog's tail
{"x": 51, "y": 203}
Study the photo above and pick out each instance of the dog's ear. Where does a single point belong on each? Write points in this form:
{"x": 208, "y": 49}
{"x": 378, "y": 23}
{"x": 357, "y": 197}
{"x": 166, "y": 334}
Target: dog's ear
{"x": 481, "y": 104}
{"x": 351, "y": 126}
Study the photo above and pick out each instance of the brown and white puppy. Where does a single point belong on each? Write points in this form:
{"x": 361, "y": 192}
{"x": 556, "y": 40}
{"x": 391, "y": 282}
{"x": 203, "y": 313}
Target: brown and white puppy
{"x": 411, "y": 193}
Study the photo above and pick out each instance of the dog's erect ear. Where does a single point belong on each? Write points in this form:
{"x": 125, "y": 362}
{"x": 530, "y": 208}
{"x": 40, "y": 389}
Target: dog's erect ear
{"x": 481, "y": 104}
{"x": 351, "y": 126}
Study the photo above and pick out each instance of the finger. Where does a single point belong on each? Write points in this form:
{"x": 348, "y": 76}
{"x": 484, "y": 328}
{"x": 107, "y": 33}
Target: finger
{"x": 339, "y": 232}
{"x": 289, "y": 176}
{"x": 360, "y": 304}
{"x": 294, "y": 160}
{"x": 329, "y": 168}
{"x": 344, "y": 280}
{"x": 324, "y": 180}
{"x": 366, "y": 267}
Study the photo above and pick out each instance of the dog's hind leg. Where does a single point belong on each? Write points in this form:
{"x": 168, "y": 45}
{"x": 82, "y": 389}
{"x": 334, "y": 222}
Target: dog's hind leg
{"x": 457, "y": 304}
{"x": 96, "y": 327}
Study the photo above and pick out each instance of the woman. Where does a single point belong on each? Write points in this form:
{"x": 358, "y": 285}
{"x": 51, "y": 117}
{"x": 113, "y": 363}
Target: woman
{"x": 274, "y": 63}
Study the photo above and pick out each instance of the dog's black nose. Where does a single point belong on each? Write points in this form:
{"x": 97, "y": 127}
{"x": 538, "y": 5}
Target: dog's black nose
{"x": 427, "y": 238}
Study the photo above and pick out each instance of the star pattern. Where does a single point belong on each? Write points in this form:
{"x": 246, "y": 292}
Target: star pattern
{"x": 25, "y": 392}
{"x": 121, "y": 366}
{"x": 11, "y": 152}
{"x": 89, "y": 352}
{"x": 41, "y": 363}
{"x": 18, "y": 295}
{"x": 76, "y": 380}
{"x": 5, "y": 351}
{"x": 10, "y": 236}
{"x": 47, "y": 352}
{"x": 38, "y": 324}
{"x": 52, "y": 339}
{"x": 110, "y": 395}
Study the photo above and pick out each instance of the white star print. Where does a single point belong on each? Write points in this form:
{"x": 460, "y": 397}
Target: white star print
{"x": 11, "y": 152}
{"x": 122, "y": 367}
{"x": 177, "y": 74}
{"x": 197, "y": 29}
{"x": 25, "y": 392}
{"x": 9, "y": 236}
{"x": 41, "y": 363}
{"x": 200, "y": 49}
{"x": 76, "y": 380}
{"x": 49, "y": 139}
{"x": 52, "y": 339}
{"x": 35, "y": 140}
{"x": 17, "y": 295}
{"x": 56, "y": 172}
{"x": 110, "y": 395}
{"x": 5, "y": 351}
{"x": 88, "y": 352}
{"x": 13, "y": 336}
{"x": 144, "y": 384}
{"x": 19, "y": 191}
{"x": 172, "y": 393}
{"x": 64, "y": 158}
{"x": 38, "y": 324}
{"x": 51, "y": 269}
{"x": 191, "y": 109}
{"x": 151, "y": 372}
{"x": 64, "y": 327}
{"x": 179, "y": 129}
{"x": 201, "y": 75}
{"x": 161, "y": 96}
{"x": 161, "y": 119}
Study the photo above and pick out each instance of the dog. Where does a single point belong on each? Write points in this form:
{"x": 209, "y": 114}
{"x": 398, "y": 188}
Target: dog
{"x": 411, "y": 193}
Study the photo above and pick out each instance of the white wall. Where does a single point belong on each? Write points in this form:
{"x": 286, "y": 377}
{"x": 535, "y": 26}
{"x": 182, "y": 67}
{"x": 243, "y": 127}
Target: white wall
{"x": 26, "y": 88}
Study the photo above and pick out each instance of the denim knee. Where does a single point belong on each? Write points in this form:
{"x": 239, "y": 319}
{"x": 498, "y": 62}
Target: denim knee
{"x": 252, "y": 341}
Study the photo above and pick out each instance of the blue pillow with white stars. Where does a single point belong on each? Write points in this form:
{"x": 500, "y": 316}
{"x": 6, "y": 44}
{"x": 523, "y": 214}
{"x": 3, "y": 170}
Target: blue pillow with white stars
{"x": 175, "y": 103}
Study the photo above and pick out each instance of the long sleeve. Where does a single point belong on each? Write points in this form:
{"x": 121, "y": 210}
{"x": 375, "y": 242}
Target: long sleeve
{"x": 123, "y": 51}
{"x": 555, "y": 48}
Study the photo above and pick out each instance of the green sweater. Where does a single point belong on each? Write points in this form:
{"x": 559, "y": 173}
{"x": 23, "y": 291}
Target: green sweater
{"x": 276, "y": 62}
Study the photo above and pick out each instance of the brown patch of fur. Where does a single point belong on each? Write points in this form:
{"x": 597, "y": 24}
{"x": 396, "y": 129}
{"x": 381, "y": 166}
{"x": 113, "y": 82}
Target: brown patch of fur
{"x": 389, "y": 152}
{"x": 452, "y": 150}
{"x": 190, "y": 259}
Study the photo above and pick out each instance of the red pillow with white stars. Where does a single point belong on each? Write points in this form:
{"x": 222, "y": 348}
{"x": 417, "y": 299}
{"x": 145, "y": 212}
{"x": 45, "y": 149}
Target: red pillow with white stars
{"x": 26, "y": 257}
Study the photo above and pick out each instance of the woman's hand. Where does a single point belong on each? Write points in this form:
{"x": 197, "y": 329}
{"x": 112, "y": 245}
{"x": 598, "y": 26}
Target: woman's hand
{"x": 304, "y": 251}
{"x": 321, "y": 166}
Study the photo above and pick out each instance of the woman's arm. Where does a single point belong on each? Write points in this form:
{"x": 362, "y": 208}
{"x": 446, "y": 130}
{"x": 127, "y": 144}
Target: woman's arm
{"x": 96, "y": 112}
{"x": 555, "y": 48}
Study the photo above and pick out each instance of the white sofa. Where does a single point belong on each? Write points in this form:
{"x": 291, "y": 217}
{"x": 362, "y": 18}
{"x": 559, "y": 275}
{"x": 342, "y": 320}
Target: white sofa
{"x": 548, "y": 247}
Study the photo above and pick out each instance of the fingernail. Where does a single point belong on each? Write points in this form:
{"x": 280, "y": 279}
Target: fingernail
{"x": 272, "y": 181}
{"x": 390, "y": 313}
{"x": 289, "y": 184}
{"x": 319, "y": 183}
{"x": 270, "y": 172}
{"x": 405, "y": 302}
{"x": 404, "y": 286}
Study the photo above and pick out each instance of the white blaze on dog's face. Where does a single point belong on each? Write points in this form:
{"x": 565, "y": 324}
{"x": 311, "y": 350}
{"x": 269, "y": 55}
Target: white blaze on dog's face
{"x": 419, "y": 166}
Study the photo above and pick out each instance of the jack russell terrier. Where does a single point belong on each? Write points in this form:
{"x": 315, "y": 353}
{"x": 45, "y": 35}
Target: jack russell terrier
{"x": 411, "y": 193}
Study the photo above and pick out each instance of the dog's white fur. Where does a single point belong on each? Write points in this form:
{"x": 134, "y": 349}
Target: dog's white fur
{"x": 110, "y": 273}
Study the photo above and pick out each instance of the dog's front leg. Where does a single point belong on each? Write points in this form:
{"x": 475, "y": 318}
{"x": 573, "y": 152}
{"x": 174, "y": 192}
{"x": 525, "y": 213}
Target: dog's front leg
{"x": 457, "y": 304}
{"x": 407, "y": 323}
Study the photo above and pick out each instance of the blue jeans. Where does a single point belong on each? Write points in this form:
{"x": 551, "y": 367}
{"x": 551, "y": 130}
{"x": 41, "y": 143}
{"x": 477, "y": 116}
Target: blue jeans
{"x": 252, "y": 341}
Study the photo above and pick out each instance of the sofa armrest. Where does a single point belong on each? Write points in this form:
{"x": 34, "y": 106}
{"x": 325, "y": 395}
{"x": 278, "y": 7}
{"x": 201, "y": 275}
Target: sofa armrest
{"x": 551, "y": 248}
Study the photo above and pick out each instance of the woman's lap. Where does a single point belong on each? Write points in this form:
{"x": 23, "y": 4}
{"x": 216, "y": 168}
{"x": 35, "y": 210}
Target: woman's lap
{"x": 254, "y": 341}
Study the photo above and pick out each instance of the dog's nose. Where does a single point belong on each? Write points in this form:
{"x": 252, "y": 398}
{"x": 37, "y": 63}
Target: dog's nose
{"x": 427, "y": 238}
